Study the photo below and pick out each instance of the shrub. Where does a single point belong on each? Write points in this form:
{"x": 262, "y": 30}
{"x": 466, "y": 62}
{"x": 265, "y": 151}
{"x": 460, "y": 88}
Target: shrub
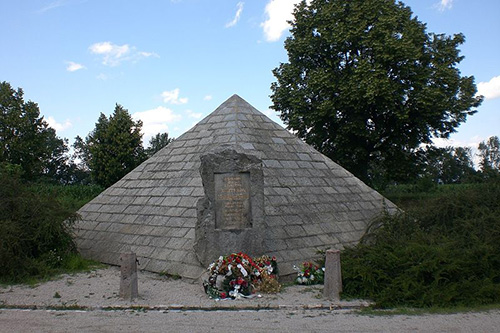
{"x": 35, "y": 232}
{"x": 444, "y": 251}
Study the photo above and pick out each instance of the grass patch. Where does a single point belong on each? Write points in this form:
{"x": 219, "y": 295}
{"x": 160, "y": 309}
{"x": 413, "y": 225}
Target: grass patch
{"x": 73, "y": 264}
{"x": 170, "y": 276}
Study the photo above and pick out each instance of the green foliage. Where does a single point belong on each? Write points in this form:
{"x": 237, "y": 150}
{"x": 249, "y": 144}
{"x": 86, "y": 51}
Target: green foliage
{"x": 27, "y": 140}
{"x": 113, "y": 148}
{"x": 71, "y": 197}
{"x": 449, "y": 165}
{"x": 442, "y": 252}
{"x": 35, "y": 235}
{"x": 489, "y": 152}
{"x": 158, "y": 142}
{"x": 366, "y": 85}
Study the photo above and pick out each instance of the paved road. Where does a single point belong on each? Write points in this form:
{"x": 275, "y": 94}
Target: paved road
{"x": 241, "y": 321}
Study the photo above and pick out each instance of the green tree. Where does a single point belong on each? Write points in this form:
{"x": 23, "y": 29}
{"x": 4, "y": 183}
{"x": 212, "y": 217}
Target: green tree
{"x": 26, "y": 138}
{"x": 489, "y": 153}
{"x": 449, "y": 165}
{"x": 113, "y": 148}
{"x": 366, "y": 84}
{"x": 157, "y": 142}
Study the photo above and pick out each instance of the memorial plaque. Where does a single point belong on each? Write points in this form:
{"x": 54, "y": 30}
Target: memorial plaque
{"x": 232, "y": 200}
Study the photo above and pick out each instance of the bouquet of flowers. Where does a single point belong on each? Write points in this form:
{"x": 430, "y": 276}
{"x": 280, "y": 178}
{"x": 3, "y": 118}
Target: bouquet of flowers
{"x": 238, "y": 275}
{"x": 310, "y": 273}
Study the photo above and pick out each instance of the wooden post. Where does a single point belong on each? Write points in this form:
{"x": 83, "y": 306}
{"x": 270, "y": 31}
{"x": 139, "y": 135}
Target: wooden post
{"x": 128, "y": 281}
{"x": 333, "y": 276}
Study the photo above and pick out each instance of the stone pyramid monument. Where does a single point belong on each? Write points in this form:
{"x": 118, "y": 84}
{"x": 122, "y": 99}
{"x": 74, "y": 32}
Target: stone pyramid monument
{"x": 235, "y": 182}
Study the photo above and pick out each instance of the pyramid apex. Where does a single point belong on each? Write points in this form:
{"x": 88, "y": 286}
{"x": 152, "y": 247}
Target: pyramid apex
{"x": 235, "y": 98}
{"x": 235, "y": 104}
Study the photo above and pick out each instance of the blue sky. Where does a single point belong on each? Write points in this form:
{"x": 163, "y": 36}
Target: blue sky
{"x": 172, "y": 62}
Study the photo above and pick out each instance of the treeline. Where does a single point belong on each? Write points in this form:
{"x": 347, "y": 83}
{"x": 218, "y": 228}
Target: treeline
{"x": 448, "y": 165}
{"x": 106, "y": 154}
{"x": 114, "y": 147}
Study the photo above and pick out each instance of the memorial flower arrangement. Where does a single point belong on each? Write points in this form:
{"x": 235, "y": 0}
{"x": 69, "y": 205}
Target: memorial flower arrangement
{"x": 310, "y": 273}
{"x": 237, "y": 275}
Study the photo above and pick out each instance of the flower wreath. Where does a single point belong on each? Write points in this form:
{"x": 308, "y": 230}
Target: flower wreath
{"x": 237, "y": 275}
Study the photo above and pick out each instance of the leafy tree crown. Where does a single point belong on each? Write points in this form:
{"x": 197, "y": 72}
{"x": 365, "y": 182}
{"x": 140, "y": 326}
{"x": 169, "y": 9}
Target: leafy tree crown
{"x": 367, "y": 85}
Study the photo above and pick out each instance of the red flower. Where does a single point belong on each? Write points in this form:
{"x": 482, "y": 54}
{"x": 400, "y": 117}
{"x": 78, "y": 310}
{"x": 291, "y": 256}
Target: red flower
{"x": 223, "y": 295}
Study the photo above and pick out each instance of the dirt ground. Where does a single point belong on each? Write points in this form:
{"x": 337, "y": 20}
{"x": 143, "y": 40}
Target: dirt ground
{"x": 89, "y": 302}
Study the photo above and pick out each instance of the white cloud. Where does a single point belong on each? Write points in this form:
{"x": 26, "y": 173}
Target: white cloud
{"x": 269, "y": 112}
{"x": 73, "y": 66}
{"x": 278, "y": 13}
{"x": 195, "y": 115}
{"x": 102, "y": 77}
{"x": 236, "y": 16}
{"x": 472, "y": 143}
{"x": 490, "y": 89}
{"x": 114, "y": 55}
{"x": 59, "y": 127}
{"x": 156, "y": 121}
{"x": 443, "y": 5}
{"x": 207, "y": 98}
{"x": 147, "y": 54}
{"x": 172, "y": 97}
{"x": 53, "y": 5}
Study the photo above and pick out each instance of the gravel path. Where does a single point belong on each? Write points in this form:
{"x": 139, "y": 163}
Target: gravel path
{"x": 89, "y": 302}
{"x": 100, "y": 288}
